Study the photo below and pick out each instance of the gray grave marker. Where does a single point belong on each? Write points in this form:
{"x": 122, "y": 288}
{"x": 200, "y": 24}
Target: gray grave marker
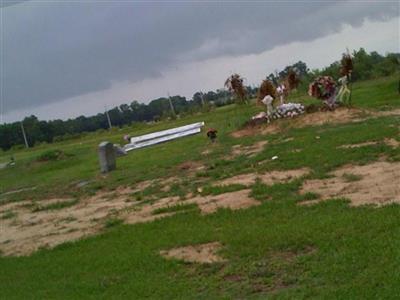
{"x": 107, "y": 157}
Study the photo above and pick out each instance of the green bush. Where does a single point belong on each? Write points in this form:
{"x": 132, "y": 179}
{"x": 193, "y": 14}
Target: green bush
{"x": 51, "y": 155}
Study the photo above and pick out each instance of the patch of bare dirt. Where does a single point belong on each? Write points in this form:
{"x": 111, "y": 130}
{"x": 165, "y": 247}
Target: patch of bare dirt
{"x": 233, "y": 200}
{"x": 145, "y": 212}
{"x": 191, "y": 167}
{"x": 165, "y": 184}
{"x": 392, "y": 143}
{"x": 376, "y": 183}
{"x": 250, "y": 151}
{"x": 203, "y": 253}
{"x": 254, "y": 130}
{"x": 268, "y": 178}
{"x": 351, "y": 146}
{"x": 386, "y": 113}
{"x": 206, "y": 152}
{"x": 207, "y": 204}
{"x": 142, "y": 185}
{"x": 28, "y": 230}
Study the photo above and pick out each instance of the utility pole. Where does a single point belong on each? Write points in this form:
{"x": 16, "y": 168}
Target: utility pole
{"x": 23, "y": 133}
{"x": 108, "y": 117}
{"x": 202, "y": 99}
{"x": 171, "y": 106}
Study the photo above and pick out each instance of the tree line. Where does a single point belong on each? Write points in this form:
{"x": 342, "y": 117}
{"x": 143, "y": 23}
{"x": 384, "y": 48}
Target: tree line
{"x": 367, "y": 66}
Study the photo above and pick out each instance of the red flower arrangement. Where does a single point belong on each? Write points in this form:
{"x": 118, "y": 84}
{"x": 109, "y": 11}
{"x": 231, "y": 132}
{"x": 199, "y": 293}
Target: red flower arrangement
{"x": 212, "y": 134}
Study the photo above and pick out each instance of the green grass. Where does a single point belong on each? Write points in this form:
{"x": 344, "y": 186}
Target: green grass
{"x": 175, "y": 208}
{"x": 113, "y": 221}
{"x": 308, "y": 196}
{"x": 61, "y": 176}
{"x": 351, "y": 177}
{"x": 54, "y": 206}
{"x": 50, "y": 155}
{"x": 8, "y": 214}
{"x": 275, "y": 250}
{"x": 217, "y": 190}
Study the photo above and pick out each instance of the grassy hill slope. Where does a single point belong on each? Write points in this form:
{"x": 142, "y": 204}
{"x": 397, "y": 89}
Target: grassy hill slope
{"x": 278, "y": 249}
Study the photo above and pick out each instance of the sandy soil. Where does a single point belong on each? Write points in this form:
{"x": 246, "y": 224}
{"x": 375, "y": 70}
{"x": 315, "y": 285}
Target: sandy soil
{"x": 24, "y": 230}
{"x": 250, "y": 151}
{"x": 350, "y": 146}
{"x": 232, "y": 200}
{"x": 385, "y": 113}
{"x": 29, "y": 230}
{"x": 269, "y": 178}
{"x": 207, "y": 204}
{"x": 191, "y": 165}
{"x": 390, "y": 142}
{"x": 191, "y": 168}
{"x": 206, "y": 152}
{"x": 203, "y": 253}
{"x": 377, "y": 183}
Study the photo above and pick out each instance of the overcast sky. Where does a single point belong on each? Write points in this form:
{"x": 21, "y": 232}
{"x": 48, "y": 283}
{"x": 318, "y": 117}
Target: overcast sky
{"x": 62, "y": 59}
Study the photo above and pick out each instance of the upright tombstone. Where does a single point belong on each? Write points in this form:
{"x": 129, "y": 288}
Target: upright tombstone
{"x": 107, "y": 157}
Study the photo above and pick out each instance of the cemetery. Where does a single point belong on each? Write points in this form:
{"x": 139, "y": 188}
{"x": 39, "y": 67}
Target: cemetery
{"x": 186, "y": 150}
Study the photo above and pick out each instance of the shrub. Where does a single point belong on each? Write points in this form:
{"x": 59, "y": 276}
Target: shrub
{"x": 51, "y": 155}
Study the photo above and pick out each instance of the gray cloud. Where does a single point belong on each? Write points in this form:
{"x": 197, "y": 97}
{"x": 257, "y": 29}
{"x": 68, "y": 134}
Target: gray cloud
{"x": 5, "y": 3}
{"x": 53, "y": 51}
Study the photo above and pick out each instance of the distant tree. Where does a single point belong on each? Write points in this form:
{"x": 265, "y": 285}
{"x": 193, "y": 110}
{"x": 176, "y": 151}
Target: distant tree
{"x": 197, "y": 98}
{"x": 292, "y": 80}
{"x": 300, "y": 68}
{"x": 266, "y": 88}
{"x": 366, "y": 66}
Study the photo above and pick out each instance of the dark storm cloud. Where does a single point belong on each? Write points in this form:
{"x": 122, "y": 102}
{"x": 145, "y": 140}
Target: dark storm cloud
{"x": 5, "y": 3}
{"x": 53, "y": 51}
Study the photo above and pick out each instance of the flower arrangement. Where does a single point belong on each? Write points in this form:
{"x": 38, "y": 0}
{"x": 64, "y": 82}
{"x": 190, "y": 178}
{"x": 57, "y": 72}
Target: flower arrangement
{"x": 346, "y": 64}
{"x": 212, "y": 134}
{"x": 288, "y": 110}
{"x": 323, "y": 87}
{"x": 235, "y": 84}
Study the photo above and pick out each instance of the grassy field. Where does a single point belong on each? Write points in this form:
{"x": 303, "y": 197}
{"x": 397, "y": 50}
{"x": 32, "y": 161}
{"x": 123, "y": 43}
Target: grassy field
{"x": 278, "y": 249}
